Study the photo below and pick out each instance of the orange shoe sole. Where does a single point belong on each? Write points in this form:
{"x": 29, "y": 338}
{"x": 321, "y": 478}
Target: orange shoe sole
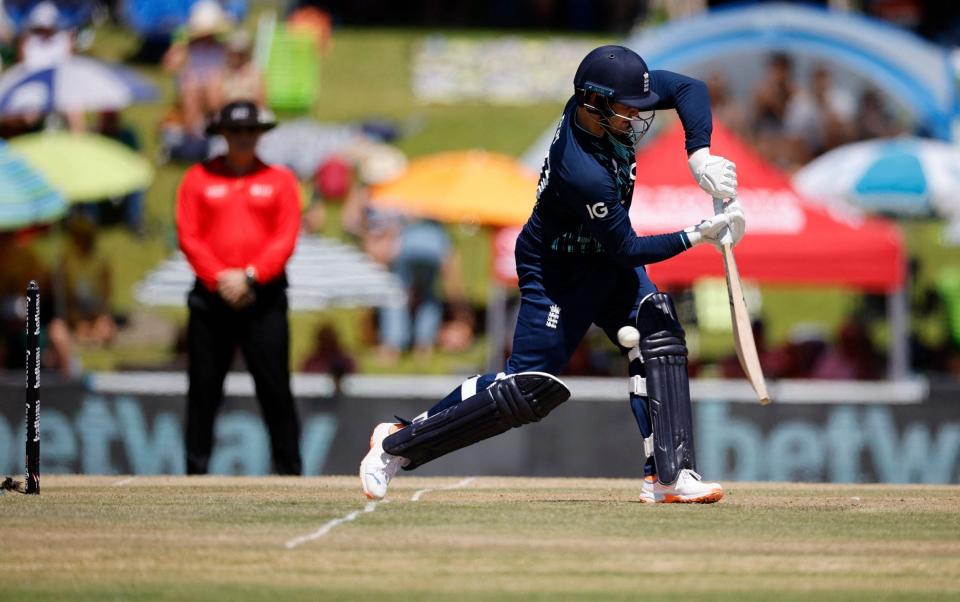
{"x": 714, "y": 496}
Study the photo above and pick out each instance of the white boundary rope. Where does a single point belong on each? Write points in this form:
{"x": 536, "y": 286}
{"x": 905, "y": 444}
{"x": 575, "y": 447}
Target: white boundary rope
{"x": 125, "y": 481}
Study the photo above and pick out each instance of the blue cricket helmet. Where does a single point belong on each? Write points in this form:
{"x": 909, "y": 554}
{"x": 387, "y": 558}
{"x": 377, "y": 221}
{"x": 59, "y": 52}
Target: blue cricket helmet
{"x": 617, "y": 73}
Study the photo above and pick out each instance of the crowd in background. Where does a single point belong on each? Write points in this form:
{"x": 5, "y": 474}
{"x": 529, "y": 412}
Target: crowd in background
{"x": 790, "y": 118}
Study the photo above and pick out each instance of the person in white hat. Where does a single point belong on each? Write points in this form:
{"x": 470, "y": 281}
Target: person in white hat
{"x": 198, "y": 61}
{"x": 45, "y": 42}
{"x": 241, "y": 78}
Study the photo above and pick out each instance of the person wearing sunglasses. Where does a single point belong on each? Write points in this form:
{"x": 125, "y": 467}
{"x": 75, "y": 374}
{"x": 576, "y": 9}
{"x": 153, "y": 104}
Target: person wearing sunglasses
{"x": 237, "y": 223}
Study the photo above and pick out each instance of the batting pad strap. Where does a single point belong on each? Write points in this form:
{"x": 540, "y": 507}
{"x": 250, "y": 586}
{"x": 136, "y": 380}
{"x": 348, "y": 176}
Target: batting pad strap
{"x": 638, "y": 386}
{"x": 512, "y": 401}
{"x": 648, "y": 446}
{"x": 469, "y": 387}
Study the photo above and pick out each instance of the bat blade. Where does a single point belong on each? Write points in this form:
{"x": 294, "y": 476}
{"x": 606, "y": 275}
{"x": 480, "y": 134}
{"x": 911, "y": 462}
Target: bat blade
{"x": 742, "y": 331}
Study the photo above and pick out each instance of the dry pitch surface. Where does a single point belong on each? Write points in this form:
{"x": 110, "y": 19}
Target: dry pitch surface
{"x": 154, "y": 538}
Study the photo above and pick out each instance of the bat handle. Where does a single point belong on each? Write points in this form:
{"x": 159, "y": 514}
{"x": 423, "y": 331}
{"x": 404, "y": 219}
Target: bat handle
{"x": 726, "y": 238}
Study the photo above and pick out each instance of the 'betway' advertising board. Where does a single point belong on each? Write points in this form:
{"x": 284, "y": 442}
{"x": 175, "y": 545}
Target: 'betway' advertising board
{"x": 136, "y": 427}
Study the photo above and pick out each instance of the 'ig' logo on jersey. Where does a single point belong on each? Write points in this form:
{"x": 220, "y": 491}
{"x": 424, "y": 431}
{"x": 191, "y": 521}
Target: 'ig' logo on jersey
{"x": 597, "y": 210}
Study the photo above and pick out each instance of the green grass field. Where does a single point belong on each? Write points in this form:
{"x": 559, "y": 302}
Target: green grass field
{"x": 176, "y": 538}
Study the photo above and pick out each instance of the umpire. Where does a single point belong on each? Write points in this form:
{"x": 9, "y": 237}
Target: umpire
{"x": 237, "y": 222}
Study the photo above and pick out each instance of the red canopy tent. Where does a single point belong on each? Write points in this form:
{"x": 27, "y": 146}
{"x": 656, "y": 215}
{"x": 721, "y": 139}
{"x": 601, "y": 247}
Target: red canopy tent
{"x": 789, "y": 240}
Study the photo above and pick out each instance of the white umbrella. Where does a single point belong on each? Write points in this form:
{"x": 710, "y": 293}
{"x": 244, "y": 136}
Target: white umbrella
{"x": 897, "y": 176}
{"x": 303, "y": 144}
{"x": 322, "y": 273}
{"x": 900, "y": 176}
{"x": 77, "y": 84}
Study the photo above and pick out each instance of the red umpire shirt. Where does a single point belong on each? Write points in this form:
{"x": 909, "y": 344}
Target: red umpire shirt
{"x": 229, "y": 221}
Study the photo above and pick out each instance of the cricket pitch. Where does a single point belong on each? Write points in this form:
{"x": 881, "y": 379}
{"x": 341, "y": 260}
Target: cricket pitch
{"x": 219, "y": 538}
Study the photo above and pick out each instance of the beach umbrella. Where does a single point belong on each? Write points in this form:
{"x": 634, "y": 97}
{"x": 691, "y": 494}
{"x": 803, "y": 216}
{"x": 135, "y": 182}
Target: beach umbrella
{"x": 77, "y": 84}
{"x": 473, "y": 186}
{"x": 897, "y": 176}
{"x": 84, "y": 167}
{"x": 303, "y": 144}
{"x": 26, "y": 199}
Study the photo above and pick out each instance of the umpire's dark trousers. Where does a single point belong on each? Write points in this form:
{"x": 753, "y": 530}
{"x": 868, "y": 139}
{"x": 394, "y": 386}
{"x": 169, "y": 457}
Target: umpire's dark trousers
{"x": 262, "y": 332}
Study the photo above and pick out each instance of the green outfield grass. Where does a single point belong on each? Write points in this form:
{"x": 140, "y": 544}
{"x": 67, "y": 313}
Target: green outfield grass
{"x": 176, "y": 538}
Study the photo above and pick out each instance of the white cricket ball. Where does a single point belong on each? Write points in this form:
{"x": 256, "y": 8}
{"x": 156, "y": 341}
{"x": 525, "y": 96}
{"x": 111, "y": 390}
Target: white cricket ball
{"x": 629, "y": 337}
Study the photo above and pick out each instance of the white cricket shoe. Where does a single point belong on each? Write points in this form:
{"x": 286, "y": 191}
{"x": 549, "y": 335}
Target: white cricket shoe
{"x": 378, "y": 467}
{"x": 689, "y": 488}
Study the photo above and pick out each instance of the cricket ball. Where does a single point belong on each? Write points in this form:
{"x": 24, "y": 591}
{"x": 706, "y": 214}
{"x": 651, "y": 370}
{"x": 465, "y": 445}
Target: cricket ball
{"x": 629, "y": 337}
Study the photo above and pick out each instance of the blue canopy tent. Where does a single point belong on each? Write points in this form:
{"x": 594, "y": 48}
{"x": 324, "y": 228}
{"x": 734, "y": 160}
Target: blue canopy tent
{"x": 74, "y": 14}
{"x": 913, "y": 72}
{"x": 159, "y": 17}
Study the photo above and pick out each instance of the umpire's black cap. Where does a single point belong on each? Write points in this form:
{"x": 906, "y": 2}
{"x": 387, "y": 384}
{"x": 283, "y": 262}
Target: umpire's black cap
{"x": 617, "y": 73}
{"x": 241, "y": 114}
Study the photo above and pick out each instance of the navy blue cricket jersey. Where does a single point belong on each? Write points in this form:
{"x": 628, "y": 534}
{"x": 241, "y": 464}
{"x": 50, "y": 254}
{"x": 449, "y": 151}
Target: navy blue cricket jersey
{"x": 586, "y": 186}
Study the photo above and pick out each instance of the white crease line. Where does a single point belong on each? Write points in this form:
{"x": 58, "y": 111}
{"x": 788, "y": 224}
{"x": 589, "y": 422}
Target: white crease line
{"x": 326, "y": 528}
{"x": 123, "y": 482}
{"x": 463, "y": 483}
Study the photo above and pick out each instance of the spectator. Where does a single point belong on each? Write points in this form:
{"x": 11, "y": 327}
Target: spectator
{"x": 198, "y": 63}
{"x": 799, "y": 356}
{"x": 773, "y": 94}
{"x": 45, "y": 43}
{"x": 20, "y": 266}
{"x": 333, "y": 181}
{"x": 456, "y": 334}
{"x": 237, "y": 220}
{"x": 770, "y": 100}
{"x": 424, "y": 258}
{"x": 726, "y": 109}
{"x": 112, "y": 126}
{"x": 873, "y": 120}
{"x": 241, "y": 78}
{"x": 853, "y": 357}
{"x": 87, "y": 282}
{"x": 328, "y": 356}
{"x": 820, "y": 117}
{"x": 770, "y": 360}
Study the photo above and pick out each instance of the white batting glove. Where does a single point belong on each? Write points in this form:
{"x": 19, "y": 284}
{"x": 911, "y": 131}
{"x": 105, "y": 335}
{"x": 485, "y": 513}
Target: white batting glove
{"x": 714, "y": 174}
{"x": 709, "y": 230}
{"x": 738, "y": 221}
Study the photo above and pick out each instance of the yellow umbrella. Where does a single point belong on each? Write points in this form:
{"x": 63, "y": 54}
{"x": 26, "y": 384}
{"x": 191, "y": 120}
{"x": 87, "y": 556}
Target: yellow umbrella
{"x": 84, "y": 167}
{"x": 475, "y": 187}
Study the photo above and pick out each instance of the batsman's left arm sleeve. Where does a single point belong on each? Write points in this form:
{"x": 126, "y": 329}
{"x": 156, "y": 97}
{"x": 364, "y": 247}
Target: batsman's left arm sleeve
{"x": 273, "y": 258}
{"x": 690, "y": 98}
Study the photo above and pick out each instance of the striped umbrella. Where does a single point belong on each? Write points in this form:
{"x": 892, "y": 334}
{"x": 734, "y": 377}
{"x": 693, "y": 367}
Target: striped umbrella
{"x": 77, "y": 84}
{"x": 84, "y": 167}
{"x": 898, "y": 176}
{"x": 26, "y": 198}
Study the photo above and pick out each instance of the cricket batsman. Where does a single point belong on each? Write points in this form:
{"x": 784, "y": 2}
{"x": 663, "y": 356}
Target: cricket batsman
{"x": 579, "y": 263}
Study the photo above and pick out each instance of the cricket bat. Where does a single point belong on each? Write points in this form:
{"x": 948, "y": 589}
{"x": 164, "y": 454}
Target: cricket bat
{"x": 742, "y": 331}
